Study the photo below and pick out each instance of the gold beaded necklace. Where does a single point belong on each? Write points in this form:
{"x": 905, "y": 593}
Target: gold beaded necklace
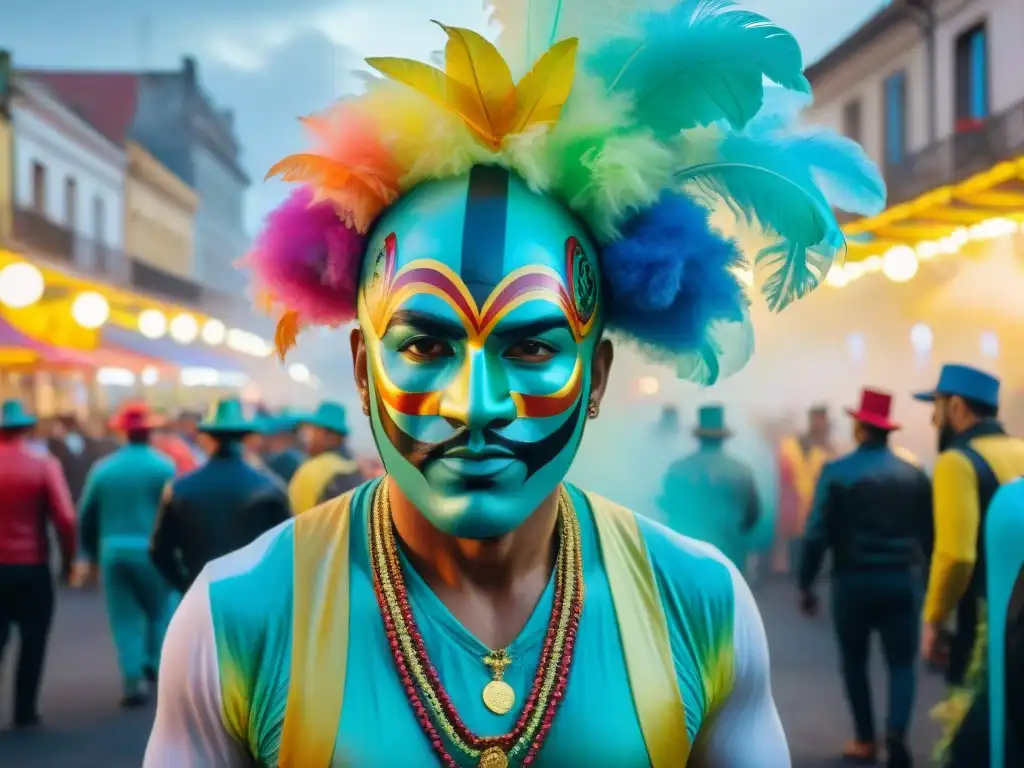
{"x": 433, "y": 707}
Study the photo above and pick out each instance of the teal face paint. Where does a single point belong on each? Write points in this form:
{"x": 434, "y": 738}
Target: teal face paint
{"x": 480, "y": 306}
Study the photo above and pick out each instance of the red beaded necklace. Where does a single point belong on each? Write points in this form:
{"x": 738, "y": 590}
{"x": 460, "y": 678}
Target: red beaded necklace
{"x": 430, "y": 702}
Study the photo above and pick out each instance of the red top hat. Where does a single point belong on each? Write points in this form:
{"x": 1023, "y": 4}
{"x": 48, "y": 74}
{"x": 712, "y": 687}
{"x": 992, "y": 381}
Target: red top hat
{"x": 874, "y": 409}
{"x": 134, "y": 416}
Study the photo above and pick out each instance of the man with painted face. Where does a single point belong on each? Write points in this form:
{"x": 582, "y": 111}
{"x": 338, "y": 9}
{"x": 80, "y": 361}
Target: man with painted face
{"x": 470, "y": 607}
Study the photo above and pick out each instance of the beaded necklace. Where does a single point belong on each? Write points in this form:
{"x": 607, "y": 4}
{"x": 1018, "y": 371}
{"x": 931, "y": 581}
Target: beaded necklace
{"x": 430, "y": 702}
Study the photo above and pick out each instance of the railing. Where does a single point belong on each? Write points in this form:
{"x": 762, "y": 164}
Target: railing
{"x": 41, "y": 235}
{"x": 955, "y": 158}
{"x": 149, "y": 279}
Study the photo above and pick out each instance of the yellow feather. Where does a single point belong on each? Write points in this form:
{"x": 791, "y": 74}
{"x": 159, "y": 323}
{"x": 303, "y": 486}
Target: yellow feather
{"x": 439, "y": 88}
{"x": 474, "y": 62}
{"x": 543, "y": 91}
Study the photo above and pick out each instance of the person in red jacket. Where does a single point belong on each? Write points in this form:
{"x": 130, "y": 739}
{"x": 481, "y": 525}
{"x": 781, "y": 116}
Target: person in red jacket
{"x": 33, "y": 495}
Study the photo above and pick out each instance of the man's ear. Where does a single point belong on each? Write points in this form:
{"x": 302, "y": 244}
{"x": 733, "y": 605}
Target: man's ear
{"x": 600, "y": 370}
{"x": 362, "y": 375}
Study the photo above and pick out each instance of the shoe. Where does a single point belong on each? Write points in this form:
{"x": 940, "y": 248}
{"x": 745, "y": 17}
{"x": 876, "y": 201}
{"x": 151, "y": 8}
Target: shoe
{"x": 860, "y": 753}
{"x": 897, "y": 754}
{"x": 26, "y": 722}
{"x": 134, "y": 701}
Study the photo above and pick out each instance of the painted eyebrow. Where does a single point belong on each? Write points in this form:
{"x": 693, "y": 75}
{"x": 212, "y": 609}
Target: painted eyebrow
{"x": 426, "y": 323}
{"x": 529, "y": 328}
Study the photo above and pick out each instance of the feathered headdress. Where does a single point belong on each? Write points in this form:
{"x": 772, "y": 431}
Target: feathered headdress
{"x": 644, "y": 129}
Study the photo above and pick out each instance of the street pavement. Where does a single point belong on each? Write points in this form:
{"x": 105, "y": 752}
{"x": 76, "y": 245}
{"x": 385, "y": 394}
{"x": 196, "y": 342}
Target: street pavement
{"x": 84, "y": 728}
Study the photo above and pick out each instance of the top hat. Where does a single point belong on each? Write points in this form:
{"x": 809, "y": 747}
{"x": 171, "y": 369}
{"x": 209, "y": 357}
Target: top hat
{"x": 227, "y": 416}
{"x": 133, "y": 416}
{"x": 328, "y": 415}
{"x": 14, "y": 416}
{"x": 875, "y": 407}
{"x": 966, "y": 382}
{"x": 711, "y": 422}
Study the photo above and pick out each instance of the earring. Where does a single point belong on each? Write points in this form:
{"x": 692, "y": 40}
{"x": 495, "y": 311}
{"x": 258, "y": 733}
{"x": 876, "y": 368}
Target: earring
{"x": 593, "y": 409}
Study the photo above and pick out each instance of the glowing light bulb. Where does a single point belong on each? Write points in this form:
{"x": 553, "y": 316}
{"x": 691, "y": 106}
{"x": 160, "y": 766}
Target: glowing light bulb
{"x": 900, "y": 263}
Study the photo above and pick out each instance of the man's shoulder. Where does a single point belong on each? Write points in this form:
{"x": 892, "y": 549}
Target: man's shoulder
{"x": 689, "y": 564}
{"x": 250, "y": 583}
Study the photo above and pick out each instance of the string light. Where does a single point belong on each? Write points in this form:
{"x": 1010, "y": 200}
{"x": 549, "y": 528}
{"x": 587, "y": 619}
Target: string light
{"x": 152, "y": 323}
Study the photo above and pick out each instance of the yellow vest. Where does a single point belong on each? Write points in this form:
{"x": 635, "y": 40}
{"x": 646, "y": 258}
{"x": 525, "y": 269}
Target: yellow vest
{"x": 309, "y": 482}
{"x": 320, "y": 633}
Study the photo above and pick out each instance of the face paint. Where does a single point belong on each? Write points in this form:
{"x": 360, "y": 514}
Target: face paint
{"x": 480, "y": 309}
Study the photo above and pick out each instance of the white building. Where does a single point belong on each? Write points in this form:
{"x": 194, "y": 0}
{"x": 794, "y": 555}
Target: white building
{"x": 69, "y": 181}
{"x": 923, "y": 85}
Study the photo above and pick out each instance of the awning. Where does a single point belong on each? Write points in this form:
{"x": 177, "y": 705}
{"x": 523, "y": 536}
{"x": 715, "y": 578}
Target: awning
{"x": 179, "y": 355}
{"x": 20, "y": 349}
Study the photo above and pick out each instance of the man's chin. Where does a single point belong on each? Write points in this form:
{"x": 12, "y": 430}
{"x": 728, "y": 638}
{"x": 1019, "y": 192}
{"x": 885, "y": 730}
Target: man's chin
{"x": 478, "y": 514}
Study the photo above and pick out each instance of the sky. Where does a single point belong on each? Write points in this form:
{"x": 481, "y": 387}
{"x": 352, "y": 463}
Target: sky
{"x": 274, "y": 60}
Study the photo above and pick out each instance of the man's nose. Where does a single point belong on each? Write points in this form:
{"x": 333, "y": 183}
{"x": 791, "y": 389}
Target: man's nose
{"x": 479, "y": 397}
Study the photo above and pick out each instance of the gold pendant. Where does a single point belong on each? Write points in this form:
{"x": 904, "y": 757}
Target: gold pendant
{"x": 494, "y": 757}
{"x": 499, "y": 697}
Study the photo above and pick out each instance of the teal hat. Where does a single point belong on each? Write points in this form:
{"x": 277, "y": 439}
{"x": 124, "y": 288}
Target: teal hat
{"x": 328, "y": 415}
{"x": 966, "y": 381}
{"x": 711, "y": 422}
{"x": 228, "y": 416}
{"x": 14, "y": 416}
{"x": 285, "y": 421}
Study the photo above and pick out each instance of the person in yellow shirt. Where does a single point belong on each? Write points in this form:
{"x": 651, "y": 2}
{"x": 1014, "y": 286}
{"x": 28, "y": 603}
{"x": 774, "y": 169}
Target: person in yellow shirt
{"x": 976, "y": 457}
{"x": 329, "y": 471}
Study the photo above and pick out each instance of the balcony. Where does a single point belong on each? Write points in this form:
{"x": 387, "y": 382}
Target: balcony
{"x": 43, "y": 237}
{"x": 973, "y": 149}
{"x": 149, "y": 279}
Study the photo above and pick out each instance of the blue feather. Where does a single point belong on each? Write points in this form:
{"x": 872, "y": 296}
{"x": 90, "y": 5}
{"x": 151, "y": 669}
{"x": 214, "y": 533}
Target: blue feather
{"x": 788, "y": 184}
{"x": 670, "y": 286}
{"x": 700, "y": 62}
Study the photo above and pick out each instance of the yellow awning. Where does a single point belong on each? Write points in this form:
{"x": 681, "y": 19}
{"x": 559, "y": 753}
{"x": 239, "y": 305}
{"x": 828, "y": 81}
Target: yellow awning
{"x": 997, "y": 193}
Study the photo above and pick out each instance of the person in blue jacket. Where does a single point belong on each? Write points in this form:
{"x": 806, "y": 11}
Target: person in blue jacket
{"x": 117, "y": 512}
{"x": 872, "y": 509}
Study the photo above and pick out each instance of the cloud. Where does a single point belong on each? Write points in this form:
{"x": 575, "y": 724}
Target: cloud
{"x": 299, "y": 77}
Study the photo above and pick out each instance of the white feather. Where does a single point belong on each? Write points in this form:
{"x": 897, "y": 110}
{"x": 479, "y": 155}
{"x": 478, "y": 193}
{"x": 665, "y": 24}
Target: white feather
{"x": 530, "y": 27}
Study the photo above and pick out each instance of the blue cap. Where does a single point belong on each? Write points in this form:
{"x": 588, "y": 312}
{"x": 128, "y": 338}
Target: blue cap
{"x": 966, "y": 382}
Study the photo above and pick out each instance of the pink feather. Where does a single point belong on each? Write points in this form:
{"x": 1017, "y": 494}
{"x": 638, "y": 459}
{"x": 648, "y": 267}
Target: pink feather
{"x": 307, "y": 259}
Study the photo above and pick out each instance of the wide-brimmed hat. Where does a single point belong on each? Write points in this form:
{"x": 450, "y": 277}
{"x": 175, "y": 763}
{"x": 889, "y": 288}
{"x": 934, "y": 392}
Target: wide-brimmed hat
{"x": 226, "y": 416}
{"x": 280, "y": 423}
{"x": 14, "y": 416}
{"x": 965, "y": 381}
{"x": 875, "y": 407}
{"x": 711, "y": 422}
{"x": 328, "y": 415}
{"x": 134, "y": 416}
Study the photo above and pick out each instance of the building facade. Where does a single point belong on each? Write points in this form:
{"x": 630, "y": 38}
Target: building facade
{"x": 183, "y": 128}
{"x": 69, "y": 181}
{"x": 930, "y": 88}
{"x": 160, "y": 212}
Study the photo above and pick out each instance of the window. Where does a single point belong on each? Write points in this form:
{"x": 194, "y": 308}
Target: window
{"x": 38, "y": 187}
{"x": 851, "y": 120}
{"x": 98, "y": 225}
{"x": 895, "y": 118}
{"x": 971, "y": 62}
{"x": 70, "y": 202}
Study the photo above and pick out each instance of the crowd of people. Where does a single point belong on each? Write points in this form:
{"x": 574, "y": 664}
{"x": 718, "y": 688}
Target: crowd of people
{"x": 908, "y": 549}
{"x": 141, "y": 503}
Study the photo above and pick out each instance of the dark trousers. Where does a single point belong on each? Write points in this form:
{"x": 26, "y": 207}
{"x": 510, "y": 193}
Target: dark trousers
{"x": 26, "y": 602}
{"x": 889, "y": 603}
{"x": 961, "y": 644}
